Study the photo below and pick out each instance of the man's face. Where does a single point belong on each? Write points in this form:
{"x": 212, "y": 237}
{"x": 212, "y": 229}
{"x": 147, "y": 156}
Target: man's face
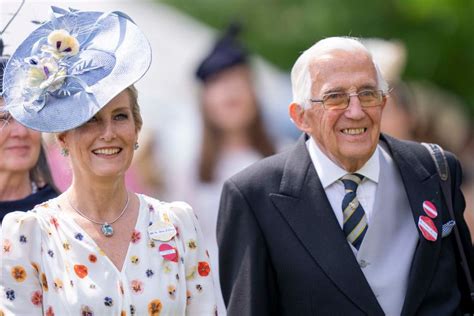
{"x": 348, "y": 137}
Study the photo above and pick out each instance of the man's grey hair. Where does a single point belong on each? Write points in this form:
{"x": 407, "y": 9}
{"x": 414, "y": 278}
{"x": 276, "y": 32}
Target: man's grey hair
{"x": 301, "y": 77}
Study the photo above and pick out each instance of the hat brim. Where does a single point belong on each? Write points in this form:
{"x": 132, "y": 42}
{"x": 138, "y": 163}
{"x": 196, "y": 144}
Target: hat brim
{"x": 116, "y": 36}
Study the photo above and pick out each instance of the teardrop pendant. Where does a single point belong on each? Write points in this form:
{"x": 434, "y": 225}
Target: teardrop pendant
{"x": 107, "y": 230}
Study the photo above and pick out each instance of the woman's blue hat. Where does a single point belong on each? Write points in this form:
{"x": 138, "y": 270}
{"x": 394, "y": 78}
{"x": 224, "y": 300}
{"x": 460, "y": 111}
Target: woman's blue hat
{"x": 72, "y": 66}
{"x": 3, "y": 62}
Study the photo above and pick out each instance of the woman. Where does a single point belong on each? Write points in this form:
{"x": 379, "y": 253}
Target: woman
{"x": 233, "y": 134}
{"x": 25, "y": 179}
{"x": 97, "y": 249}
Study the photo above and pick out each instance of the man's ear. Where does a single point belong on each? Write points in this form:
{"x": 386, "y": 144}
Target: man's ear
{"x": 298, "y": 116}
{"x": 384, "y": 101}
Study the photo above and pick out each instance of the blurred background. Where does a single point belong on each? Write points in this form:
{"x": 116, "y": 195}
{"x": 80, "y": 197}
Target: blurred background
{"x": 424, "y": 47}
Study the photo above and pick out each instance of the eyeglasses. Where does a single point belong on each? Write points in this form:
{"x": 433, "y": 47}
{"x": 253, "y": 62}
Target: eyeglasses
{"x": 340, "y": 100}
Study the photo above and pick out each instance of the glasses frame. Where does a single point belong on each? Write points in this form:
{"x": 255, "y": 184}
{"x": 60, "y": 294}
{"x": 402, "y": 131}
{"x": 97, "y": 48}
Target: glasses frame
{"x": 348, "y": 99}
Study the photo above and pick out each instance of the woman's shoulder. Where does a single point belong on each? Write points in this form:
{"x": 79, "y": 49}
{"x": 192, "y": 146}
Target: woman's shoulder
{"x": 39, "y": 214}
{"x": 176, "y": 210}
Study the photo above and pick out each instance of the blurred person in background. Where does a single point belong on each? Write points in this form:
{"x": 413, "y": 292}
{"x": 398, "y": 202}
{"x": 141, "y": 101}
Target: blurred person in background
{"x": 98, "y": 248}
{"x": 443, "y": 119}
{"x": 422, "y": 112}
{"x": 233, "y": 133}
{"x": 25, "y": 178}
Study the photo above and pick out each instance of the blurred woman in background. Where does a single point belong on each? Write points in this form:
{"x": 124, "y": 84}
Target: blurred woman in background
{"x": 233, "y": 134}
{"x": 25, "y": 178}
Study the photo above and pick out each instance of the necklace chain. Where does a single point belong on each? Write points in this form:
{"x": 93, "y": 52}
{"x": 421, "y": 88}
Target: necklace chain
{"x": 96, "y": 222}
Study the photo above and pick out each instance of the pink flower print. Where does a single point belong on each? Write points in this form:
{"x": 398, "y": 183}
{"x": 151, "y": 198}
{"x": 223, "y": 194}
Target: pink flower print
{"x": 54, "y": 221}
{"x": 37, "y": 298}
{"x": 50, "y": 311}
{"x": 137, "y": 286}
{"x": 136, "y": 236}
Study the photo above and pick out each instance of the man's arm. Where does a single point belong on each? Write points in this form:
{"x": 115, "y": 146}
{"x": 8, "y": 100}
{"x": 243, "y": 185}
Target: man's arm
{"x": 246, "y": 274}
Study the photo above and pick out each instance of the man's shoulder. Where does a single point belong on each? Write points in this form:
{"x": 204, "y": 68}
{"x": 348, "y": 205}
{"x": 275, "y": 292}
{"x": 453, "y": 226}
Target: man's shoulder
{"x": 263, "y": 171}
{"x": 408, "y": 148}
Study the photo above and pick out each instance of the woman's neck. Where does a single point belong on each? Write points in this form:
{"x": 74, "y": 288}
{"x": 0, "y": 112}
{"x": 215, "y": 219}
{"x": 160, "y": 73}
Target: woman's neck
{"x": 99, "y": 200}
{"x": 235, "y": 141}
{"x": 14, "y": 186}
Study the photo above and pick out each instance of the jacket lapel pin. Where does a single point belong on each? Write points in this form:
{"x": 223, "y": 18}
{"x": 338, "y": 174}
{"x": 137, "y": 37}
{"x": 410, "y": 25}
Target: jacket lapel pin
{"x": 448, "y": 228}
{"x": 427, "y": 228}
{"x": 430, "y": 209}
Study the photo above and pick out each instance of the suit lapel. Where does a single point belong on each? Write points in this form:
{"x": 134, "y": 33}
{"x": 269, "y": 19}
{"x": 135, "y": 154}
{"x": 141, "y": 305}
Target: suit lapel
{"x": 303, "y": 203}
{"x": 420, "y": 186}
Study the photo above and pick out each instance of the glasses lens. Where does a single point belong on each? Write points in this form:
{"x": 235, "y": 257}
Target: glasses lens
{"x": 335, "y": 100}
{"x": 370, "y": 98}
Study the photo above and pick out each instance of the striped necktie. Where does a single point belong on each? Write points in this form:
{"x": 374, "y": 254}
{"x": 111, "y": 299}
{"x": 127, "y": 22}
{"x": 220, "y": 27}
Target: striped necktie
{"x": 355, "y": 222}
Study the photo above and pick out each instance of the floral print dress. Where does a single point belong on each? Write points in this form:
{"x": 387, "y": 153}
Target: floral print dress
{"x": 50, "y": 266}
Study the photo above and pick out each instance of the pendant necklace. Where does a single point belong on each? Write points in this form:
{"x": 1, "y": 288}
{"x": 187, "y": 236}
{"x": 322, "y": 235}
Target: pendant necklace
{"x": 105, "y": 227}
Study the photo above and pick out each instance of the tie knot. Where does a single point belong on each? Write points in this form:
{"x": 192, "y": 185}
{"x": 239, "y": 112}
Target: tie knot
{"x": 351, "y": 181}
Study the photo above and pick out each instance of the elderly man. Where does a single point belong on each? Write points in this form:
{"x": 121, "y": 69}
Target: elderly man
{"x": 349, "y": 221}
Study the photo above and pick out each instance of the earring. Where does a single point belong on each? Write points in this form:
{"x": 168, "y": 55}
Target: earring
{"x": 136, "y": 146}
{"x": 64, "y": 152}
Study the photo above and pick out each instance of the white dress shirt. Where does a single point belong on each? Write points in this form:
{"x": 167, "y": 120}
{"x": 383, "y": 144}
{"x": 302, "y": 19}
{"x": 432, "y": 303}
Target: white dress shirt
{"x": 329, "y": 174}
{"x": 386, "y": 254}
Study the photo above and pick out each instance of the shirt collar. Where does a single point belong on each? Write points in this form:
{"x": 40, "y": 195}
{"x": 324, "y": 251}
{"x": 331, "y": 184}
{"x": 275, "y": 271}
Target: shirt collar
{"x": 329, "y": 172}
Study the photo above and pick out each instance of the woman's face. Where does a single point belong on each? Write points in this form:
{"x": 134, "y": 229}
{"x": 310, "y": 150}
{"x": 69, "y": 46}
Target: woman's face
{"x": 229, "y": 100}
{"x": 19, "y": 146}
{"x": 103, "y": 146}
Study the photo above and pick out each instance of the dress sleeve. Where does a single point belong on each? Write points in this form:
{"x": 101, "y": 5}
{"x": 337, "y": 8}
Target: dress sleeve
{"x": 199, "y": 285}
{"x": 21, "y": 292}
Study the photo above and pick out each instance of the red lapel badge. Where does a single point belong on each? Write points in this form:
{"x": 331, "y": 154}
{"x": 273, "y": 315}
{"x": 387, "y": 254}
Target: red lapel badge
{"x": 168, "y": 252}
{"x": 430, "y": 209}
{"x": 428, "y": 228}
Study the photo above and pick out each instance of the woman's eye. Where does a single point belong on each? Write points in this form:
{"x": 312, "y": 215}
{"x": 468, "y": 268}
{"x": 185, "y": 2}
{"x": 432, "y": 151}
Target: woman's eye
{"x": 121, "y": 116}
{"x": 92, "y": 120}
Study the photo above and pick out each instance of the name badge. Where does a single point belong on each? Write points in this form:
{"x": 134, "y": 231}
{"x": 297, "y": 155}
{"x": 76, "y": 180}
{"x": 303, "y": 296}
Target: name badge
{"x": 162, "y": 231}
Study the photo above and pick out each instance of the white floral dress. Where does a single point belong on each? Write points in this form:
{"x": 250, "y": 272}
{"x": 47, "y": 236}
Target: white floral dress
{"x": 50, "y": 266}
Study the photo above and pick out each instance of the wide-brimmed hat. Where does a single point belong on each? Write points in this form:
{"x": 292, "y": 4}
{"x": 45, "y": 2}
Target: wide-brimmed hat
{"x": 72, "y": 66}
{"x": 3, "y": 62}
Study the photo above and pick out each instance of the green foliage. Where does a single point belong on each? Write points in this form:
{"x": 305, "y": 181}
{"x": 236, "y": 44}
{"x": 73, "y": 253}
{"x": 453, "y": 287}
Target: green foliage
{"x": 438, "y": 33}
